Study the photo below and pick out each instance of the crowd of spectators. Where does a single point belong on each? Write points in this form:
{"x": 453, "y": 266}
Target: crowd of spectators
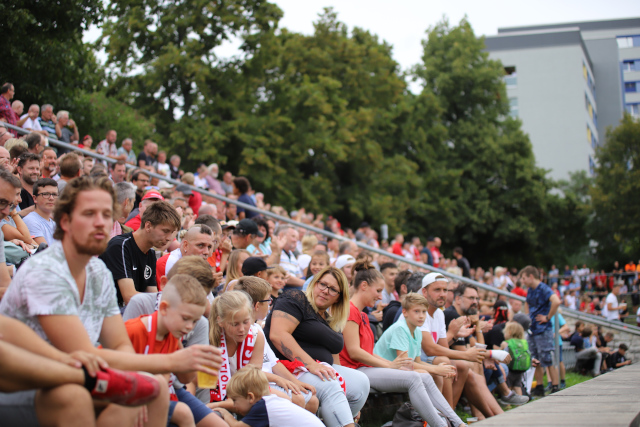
{"x": 280, "y": 324}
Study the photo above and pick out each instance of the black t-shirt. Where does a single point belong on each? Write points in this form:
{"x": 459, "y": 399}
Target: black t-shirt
{"x": 313, "y": 334}
{"x": 577, "y": 341}
{"x": 495, "y": 336}
{"x": 450, "y": 314}
{"x": 389, "y": 314}
{"x": 27, "y": 200}
{"x": 127, "y": 261}
{"x": 148, "y": 160}
{"x": 463, "y": 263}
{"x": 616, "y": 358}
{"x": 175, "y": 172}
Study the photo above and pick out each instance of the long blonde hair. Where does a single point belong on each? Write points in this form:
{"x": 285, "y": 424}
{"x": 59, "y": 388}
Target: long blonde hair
{"x": 338, "y": 313}
{"x": 225, "y": 307}
{"x": 233, "y": 272}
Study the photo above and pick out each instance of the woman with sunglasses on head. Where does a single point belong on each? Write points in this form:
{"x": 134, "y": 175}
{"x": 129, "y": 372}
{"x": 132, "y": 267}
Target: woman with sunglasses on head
{"x": 305, "y": 331}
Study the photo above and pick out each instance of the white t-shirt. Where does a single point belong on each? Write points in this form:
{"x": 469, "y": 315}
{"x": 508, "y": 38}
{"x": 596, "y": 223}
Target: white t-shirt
{"x": 174, "y": 257}
{"x": 571, "y": 301}
{"x": 435, "y": 325}
{"x": 303, "y": 262}
{"x": 278, "y": 412}
{"x": 32, "y": 125}
{"x": 638, "y": 316}
{"x": 269, "y": 359}
{"x": 613, "y": 314}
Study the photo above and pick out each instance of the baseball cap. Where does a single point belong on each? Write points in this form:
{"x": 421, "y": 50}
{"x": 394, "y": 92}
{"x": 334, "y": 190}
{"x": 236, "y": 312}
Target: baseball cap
{"x": 228, "y": 224}
{"x": 254, "y": 265}
{"x": 152, "y": 194}
{"x": 433, "y": 277}
{"x": 523, "y": 319}
{"x": 184, "y": 189}
{"x": 246, "y": 226}
{"x": 344, "y": 260}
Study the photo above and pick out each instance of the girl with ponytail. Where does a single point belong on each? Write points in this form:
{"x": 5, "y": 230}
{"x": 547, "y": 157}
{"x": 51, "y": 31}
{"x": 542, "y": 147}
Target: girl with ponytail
{"x": 231, "y": 327}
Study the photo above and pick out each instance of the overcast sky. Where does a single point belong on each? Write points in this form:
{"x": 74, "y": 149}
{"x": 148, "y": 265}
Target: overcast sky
{"x": 403, "y": 23}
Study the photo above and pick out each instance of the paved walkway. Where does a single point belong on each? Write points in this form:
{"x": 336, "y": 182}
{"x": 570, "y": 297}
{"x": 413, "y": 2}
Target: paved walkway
{"x": 611, "y": 400}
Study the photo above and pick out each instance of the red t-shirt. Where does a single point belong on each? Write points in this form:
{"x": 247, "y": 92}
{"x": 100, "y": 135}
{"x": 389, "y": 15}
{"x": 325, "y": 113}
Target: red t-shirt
{"x": 397, "y": 249}
{"x": 195, "y": 201}
{"x": 161, "y": 267}
{"x": 139, "y": 336}
{"x": 516, "y": 290}
{"x": 366, "y": 337}
{"x": 134, "y": 222}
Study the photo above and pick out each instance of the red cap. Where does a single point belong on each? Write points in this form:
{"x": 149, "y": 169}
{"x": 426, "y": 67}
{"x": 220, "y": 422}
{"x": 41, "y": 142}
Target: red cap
{"x": 152, "y": 194}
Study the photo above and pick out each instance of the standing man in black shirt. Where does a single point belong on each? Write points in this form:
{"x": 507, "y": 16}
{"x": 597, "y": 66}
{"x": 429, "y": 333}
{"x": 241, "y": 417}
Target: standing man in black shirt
{"x": 131, "y": 257}
{"x": 463, "y": 263}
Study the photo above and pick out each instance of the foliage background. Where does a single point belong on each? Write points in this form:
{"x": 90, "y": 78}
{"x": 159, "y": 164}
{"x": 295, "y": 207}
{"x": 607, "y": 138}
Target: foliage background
{"x": 326, "y": 122}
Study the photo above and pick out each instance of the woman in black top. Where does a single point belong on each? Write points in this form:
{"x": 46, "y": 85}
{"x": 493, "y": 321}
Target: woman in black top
{"x": 306, "y": 329}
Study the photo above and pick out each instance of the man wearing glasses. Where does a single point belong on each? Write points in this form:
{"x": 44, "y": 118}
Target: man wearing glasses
{"x": 39, "y": 222}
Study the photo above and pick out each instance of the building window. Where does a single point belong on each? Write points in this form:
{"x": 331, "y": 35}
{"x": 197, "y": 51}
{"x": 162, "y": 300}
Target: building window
{"x": 592, "y": 166}
{"x": 634, "y": 109}
{"x": 628, "y": 41}
{"x": 589, "y": 107}
{"x": 631, "y": 65}
{"x": 510, "y": 78}
{"x": 630, "y": 87}
{"x": 589, "y": 134}
{"x": 513, "y": 107}
{"x": 587, "y": 78}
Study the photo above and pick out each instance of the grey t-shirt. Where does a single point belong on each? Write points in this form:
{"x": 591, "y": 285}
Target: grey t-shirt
{"x": 40, "y": 227}
{"x": 44, "y": 286}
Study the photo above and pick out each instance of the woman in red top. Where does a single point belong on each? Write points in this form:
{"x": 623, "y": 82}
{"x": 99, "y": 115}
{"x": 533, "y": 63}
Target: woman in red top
{"x": 390, "y": 377}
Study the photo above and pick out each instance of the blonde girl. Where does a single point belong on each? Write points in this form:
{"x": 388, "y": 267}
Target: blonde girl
{"x": 234, "y": 267}
{"x": 319, "y": 261}
{"x": 231, "y": 327}
{"x": 277, "y": 278}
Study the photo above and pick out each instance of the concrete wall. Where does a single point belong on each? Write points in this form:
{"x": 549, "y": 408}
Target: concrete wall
{"x": 606, "y": 67}
{"x": 551, "y": 102}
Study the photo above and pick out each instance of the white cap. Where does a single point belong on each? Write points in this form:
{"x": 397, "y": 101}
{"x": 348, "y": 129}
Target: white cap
{"x": 433, "y": 277}
{"x": 344, "y": 260}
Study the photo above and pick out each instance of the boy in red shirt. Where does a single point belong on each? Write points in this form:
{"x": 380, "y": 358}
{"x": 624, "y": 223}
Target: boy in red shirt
{"x": 182, "y": 305}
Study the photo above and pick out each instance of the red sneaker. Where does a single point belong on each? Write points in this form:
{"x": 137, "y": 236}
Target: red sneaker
{"x": 125, "y": 388}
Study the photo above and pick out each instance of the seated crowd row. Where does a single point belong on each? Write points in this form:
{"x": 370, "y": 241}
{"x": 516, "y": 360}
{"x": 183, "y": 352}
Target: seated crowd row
{"x": 274, "y": 334}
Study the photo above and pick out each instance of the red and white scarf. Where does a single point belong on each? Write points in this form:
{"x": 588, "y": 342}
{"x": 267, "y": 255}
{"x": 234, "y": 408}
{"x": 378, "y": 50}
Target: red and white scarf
{"x": 243, "y": 357}
{"x": 297, "y": 368}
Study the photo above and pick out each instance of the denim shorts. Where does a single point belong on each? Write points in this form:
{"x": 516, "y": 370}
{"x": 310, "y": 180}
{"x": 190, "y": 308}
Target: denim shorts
{"x": 199, "y": 409}
{"x": 542, "y": 347}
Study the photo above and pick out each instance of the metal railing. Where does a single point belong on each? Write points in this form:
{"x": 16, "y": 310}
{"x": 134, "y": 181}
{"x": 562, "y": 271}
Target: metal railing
{"x": 565, "y": 311}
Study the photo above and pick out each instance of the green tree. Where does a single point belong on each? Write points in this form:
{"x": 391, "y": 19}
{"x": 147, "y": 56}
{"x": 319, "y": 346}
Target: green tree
{"x": 496, "y": 193}
{"x": 162, "y": 59}
{"x": 42, "y": 50}
{"x": 323, "y": 125}
{"x": 616, "y": 226}
{"x": 97, "y": 113}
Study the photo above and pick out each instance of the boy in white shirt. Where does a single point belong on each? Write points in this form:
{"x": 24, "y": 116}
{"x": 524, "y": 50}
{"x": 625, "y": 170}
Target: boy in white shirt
{"x": 249, "y": 390}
